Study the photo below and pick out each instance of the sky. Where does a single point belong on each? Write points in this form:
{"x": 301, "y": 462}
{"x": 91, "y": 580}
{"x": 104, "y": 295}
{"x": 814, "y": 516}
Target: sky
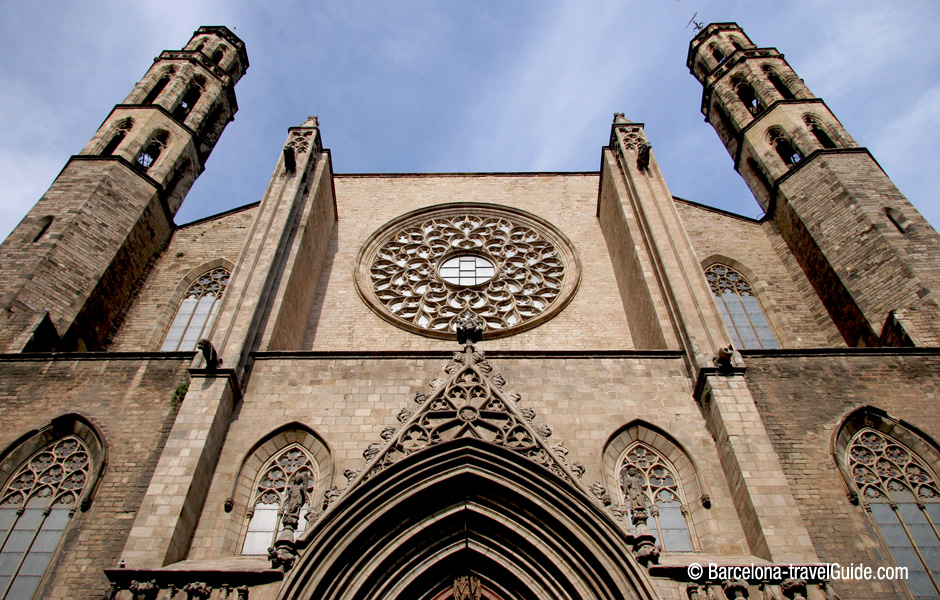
{"x": 423, "y": 86}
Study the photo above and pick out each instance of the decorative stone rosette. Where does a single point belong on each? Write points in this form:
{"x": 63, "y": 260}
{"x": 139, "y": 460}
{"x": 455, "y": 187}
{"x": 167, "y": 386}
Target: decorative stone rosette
{"x": 534, "y": 273}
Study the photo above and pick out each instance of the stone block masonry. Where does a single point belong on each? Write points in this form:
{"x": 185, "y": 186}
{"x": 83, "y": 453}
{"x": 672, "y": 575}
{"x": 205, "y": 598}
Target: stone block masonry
{"x": 127, "y": 398}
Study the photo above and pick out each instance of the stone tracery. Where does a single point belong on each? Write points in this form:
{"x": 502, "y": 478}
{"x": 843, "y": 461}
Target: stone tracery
{"x": 535, "y": 271}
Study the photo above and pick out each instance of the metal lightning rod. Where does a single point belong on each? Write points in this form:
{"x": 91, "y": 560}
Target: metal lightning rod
{"x": 692, "y": 21}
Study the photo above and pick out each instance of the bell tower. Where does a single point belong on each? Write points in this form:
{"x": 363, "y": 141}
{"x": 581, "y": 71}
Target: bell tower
{"x": 71, "y": 265}
{"x": 871, "y": 257}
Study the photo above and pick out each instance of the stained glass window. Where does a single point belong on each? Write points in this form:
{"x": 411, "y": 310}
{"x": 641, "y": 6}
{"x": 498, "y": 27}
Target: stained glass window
{"x": 36, "y": 506}
{"x": 740, "y": 309}
{"x": 196, "y": 312}
{"x": 664, "y": 496}
{"x": 264, "y": 516}
{"x": 902, "y": 494}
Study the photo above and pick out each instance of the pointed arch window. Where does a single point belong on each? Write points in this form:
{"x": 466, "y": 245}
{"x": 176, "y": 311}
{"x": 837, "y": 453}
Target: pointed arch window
{"x": 759, "y": 174}
{"x": 159, "y": 86}
{"x": 152, "y": 152}
{"x": 788, "y": 153}
{"x": 717, "y": 54}
{"x": 668, "y": 508}
{"x": 746, "y": 95}
{"x": 196, "y": 312}
{"x": 818, "y": 130}
{"x": 37, "y": 504}
{"x": 270, "y": 494}
{"x": 725, "y": 120}
{"x": 120, "y": 132}
{"x": 740, "y": 309}
{"x": 902, "y": 494}
{"x": 774, "y": 78}
{"x": 190, "y": 98}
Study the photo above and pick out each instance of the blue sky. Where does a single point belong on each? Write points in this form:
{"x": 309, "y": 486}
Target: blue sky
{"x": 450, "y": 85}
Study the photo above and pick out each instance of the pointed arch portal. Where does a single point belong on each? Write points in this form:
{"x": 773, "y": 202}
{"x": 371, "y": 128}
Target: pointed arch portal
{"x": 466, "y": 507}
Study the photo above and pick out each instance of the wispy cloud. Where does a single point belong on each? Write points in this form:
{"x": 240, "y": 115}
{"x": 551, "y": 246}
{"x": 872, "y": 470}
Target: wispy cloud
{"x": 413, "y": 85}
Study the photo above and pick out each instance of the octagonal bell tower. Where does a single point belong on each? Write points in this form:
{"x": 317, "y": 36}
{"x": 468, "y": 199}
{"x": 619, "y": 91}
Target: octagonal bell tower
{"x": 74, "y": 261}
{"x": 871, "y": 257}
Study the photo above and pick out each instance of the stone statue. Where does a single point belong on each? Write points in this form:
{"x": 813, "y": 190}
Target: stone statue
{"x": 296, "y": 498}
{"x": 467, "y": 587}
{"x": 633, "y": 488}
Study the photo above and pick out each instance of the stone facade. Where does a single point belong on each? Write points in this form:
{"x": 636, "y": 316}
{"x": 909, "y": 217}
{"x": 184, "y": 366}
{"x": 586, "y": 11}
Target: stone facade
{"x": 297, "y": 442}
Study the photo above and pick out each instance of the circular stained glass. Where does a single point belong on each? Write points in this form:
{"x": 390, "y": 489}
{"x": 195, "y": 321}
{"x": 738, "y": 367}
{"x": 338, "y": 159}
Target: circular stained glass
{"x": 425, "y": 269}
{"x": 467, "y": 270}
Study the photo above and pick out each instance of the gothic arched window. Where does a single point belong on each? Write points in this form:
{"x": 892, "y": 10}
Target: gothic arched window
{"x": 740, "y": 309}
{"x": 189, "y": 99}
{"x": 196, "y": 312}
{"x": 159, "y": 86}
{"x": 120, "y": 132}
{"x": 819, "y": 131}
{"x": 902, "y": 494}
{"x": 717, "y": 54}
{"x": 152, "y": 152}
{"x": 788, "y": 153}
{"x": 270, "y": 494}
{"x": 746, "y": 95}
{"x": 774, "y": 78}
{"x": 35, "y": 507}
{"x": 668, "y": 510}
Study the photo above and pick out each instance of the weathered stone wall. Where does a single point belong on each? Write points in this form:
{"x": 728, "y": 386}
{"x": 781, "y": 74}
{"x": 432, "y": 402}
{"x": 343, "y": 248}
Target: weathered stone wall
{"x": 756, "y": 249}
{"x": 586, "y": 400}
{"x": 802, "y": 400}
{"x": 99, "y": 207}
{"x": 128, "y": 400}
{"x": 194, "y": 249}
{"x": 341, "y": 321}
{"x": 835, "y": 221}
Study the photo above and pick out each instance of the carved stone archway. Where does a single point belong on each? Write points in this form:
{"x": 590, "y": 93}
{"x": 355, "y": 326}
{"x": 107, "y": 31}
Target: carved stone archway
{"x": 466, "y": 507}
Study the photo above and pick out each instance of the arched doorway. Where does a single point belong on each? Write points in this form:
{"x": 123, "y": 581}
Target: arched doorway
{"x": 466, "y": 509}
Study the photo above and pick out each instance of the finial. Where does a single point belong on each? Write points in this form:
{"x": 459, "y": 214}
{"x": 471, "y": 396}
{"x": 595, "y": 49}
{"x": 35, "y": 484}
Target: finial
{"x": 469, "y": 328}
{"x": 619, "y": 118}
{"x": 698, "y": 24}
{"x": 312, "y": 121}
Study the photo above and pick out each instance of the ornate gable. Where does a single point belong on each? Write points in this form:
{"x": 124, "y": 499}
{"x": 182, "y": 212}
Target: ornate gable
{"x": 471, "y": 403}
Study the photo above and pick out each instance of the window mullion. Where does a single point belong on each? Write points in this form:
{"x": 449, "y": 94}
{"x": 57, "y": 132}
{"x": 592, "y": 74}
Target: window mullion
{"x": 684, "y": 509}
{"x": 913, "y": 542}
{"x": 6, "y": 537}
{"x": 277, "y": 524}
{"x": 36, "y": 530}
{"x": 750, "y": 322}
{"x": 734, "y": 325}
{"x": 19, "y": 513}
{"x": 930, "y": 522}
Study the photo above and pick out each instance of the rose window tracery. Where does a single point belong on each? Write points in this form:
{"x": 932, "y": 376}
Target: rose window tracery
{"x": 427, "y": 268}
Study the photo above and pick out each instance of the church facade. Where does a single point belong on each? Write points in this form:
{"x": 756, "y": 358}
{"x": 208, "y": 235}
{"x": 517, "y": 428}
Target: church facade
{"x": 465, "y": 385}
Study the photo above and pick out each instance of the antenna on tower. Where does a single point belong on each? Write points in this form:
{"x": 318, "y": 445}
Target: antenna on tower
{"x": 698, "y": 24}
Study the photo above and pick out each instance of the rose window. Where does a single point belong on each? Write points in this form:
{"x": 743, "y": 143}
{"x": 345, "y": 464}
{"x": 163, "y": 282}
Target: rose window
{"x": 425, "y": 269}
